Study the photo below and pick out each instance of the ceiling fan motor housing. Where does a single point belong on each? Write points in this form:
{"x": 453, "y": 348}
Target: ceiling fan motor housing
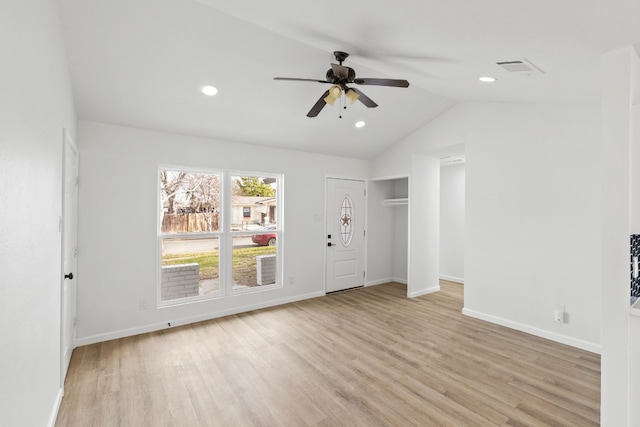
{"x": 332, "y": 78}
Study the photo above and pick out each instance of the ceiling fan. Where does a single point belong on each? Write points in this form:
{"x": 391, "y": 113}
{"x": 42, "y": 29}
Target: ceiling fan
{"x": 339, "y": 76}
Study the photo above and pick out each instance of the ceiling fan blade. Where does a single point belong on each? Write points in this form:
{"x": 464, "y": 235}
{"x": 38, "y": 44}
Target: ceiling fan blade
{"x": 340, "y": 71}
{"x": 364, "y": 98}
{"x": 300, "y": 80}
{"x": 318, "y": 106}
{"x": 382, "y": 82}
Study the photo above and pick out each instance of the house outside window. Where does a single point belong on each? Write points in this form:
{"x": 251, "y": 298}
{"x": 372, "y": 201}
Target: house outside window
{"x": 247, "y": 211}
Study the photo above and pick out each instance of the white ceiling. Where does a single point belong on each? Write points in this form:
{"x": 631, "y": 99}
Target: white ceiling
{"x": 141, "y": 63}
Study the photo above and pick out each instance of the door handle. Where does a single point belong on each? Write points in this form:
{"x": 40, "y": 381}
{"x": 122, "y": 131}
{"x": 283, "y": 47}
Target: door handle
{"x": 69, "y": 276}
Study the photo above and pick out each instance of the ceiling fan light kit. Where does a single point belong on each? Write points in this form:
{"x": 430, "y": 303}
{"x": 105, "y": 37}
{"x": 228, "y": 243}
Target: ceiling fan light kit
{"x": 339, "y": 76}
{"x": 352, "y": 95}
{"x": 334, "y": 93}
{"x": 329, "y": 99}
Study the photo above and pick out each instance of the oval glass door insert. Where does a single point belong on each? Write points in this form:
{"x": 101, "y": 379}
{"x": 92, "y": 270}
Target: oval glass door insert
{"x": 346, "y": 222}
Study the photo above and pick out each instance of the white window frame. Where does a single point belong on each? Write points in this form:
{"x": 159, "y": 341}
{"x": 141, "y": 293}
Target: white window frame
{"x": 227, "y": 207}
{"x": 225, "y": 235}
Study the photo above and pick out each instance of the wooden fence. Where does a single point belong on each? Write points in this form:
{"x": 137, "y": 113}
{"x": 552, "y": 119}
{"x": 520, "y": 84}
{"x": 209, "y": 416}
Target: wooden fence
{"x": 189, "y": 223}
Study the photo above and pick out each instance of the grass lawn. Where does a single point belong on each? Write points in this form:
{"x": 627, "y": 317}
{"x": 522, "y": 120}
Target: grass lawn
{"x": 244, "y": 263}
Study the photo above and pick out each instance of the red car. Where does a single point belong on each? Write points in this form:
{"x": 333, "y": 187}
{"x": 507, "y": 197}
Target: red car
{"x": 265, "y": 239}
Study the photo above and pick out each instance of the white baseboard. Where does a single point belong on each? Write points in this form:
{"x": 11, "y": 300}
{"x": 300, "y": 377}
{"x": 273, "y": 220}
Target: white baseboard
{"x": 562, "y": 339}
{"x": 188, "y": 320}
{"x": 423, "y": 292}
{"x": 55, "y": 409}
{"x": 378, "y": 282}
{"x": 452, "y": 279}
{"x": 386, "y": 280}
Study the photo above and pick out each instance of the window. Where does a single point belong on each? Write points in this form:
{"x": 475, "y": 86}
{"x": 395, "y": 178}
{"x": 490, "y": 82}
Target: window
{"x": 218, "y": 233}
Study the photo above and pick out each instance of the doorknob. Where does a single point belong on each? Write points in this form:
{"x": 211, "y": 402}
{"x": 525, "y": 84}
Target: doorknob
{"x": 69, "y": 276}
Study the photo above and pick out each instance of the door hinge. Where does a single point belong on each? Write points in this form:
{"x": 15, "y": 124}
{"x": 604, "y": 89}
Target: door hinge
{"x": 75, "y": 321}
{"x": 363, "y": 275}
{"x": 364, "y": 233}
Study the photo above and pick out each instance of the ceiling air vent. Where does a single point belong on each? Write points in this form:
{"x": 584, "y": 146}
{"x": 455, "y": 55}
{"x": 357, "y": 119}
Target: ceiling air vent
{"x": 520, "y": 66}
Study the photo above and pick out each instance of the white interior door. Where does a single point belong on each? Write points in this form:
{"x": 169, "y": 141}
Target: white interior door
{"x": 345, "y": 234}
{"x": 69, "y": 252}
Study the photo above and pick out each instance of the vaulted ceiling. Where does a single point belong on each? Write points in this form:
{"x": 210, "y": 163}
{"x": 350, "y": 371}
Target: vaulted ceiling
{"x": 142, "y": 63}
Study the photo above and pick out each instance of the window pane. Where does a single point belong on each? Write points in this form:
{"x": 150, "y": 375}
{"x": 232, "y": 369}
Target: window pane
{"x": 253, "y": 202}
{"x": 345, "y": 220}
{"x": 190, "y": 267}
{"x": 254, "y": 263}
{"x": 190, "y": 202}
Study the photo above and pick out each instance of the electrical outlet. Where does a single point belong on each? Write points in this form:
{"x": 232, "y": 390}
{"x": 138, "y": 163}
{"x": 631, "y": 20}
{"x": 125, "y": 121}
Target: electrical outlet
{"x": 559, "y": 314}
{"x": 143, "y": 305}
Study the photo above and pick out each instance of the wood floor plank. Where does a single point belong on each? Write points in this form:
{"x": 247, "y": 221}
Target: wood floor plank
{"x": 366, "y": 357}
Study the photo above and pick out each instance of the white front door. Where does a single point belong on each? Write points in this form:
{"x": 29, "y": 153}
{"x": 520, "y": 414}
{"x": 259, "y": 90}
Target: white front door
{"x": 69, "y": 252}
{"x": 345, "y": 234}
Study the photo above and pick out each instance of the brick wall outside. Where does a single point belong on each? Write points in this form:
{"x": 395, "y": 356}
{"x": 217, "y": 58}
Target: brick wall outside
{"x": 266, "y": 269}
{"x": 180, "y": 281}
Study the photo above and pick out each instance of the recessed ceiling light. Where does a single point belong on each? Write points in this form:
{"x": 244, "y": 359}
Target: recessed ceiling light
{"x": 487, "y": 79}
{"x": 360, "y": 124}
{"x": 209, "y": 90}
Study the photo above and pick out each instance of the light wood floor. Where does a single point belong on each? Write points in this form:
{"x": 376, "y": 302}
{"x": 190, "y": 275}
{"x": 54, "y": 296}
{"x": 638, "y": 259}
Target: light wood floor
{"x": 367, "y": 357}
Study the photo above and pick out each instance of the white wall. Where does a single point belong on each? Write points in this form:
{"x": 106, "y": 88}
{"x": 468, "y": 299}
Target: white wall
{"x": 387, "y": 233}
{"x": 634, "y": 181}
{"x": 533, "y": 220}
{"x": 380, "y": 234}
{"x": 118, "y": 209}
{"x": 532, "y": 212}
{"x": 400, "y": 244}
{"x": 424, "y": 226}
{"x": 634, "y": 228}
{"x": 621, "y": 81}
{"x": 35, "y": 106}
{"x": 452, "y": 222}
